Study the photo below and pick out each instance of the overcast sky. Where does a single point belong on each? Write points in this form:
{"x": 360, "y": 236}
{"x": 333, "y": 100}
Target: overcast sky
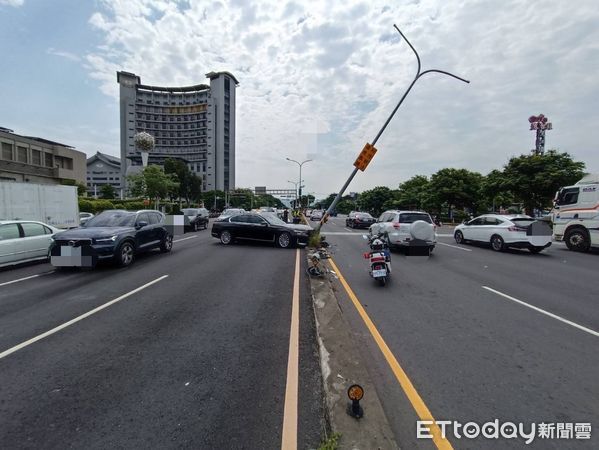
{"x": 317, "y": 79}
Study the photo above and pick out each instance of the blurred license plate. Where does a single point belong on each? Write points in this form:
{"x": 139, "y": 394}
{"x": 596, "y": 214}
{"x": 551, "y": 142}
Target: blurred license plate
{"x": 67, "y": 256}
{"x": 379, "y": 273}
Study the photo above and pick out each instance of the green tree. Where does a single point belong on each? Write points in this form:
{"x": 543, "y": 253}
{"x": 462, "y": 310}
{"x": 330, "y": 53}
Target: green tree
{"x": 307, "y": 200}
{"x": 456, "y": 188}
{"x": 324, "y": 204}
{"x": 375, "y": 199}
{"x": 214, "y": 200}
{"x": 179, "y": 170}
{"x": 153, "y": 183}
{"x": 413, "y": 193}
{"x": 194, "y": 191}
{"x": 345, "y": 206}
{"x": 107, "y": 192}
{"x": 534, "y": 179}
{"x": 496, "y": 191}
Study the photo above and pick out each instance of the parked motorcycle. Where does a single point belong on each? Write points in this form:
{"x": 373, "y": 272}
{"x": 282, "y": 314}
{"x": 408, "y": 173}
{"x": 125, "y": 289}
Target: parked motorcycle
{"x": 379, "y": 258}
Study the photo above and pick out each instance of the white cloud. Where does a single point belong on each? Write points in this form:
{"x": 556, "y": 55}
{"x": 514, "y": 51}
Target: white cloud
{"x": 63, "y": 54}
{"x": 340, "y": 67}
{"x": 14, "y": 3}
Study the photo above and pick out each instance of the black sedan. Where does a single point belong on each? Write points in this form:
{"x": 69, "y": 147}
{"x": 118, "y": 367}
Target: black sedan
{"x": 256, "y": 227}
{"x": 357, "y": 219}
{"x": 115, "y": 235}
{"x": 198, "y": 218}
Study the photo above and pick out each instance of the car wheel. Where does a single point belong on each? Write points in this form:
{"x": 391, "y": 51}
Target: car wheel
{"x": 535, "y": 249}
{"x": 206, "y": 225}
{"x": 125, "y": 254}
{"x": 459, "y": 237}
{"x": 226, "y": 238}
{"x": 497, "y": 243}
{"x": 284, "y": 240}
{"x": 196, "y": 226}
{"x": 167, "y": 244}
{"x": 577, "y": 240}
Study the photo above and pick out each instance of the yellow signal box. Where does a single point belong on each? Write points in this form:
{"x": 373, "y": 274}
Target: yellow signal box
{"x": 365, "y": 156}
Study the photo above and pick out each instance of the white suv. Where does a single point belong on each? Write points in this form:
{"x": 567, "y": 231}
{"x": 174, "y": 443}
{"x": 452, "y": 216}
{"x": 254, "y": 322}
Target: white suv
{"x": 406, "y": 228}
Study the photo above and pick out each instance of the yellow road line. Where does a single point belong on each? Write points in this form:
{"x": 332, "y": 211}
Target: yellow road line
{"x": 417, "y": 403}
{"x": 289, "y": 440}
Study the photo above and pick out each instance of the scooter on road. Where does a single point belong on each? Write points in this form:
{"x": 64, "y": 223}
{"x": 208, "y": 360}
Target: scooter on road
{"x": 379, "y": 258}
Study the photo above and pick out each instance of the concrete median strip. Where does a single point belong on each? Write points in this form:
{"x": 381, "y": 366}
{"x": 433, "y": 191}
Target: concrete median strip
{"x": 341, "y": 367}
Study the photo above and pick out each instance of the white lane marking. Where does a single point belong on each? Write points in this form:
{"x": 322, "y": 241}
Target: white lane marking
{"x": 77, "y": 319}
{"x": 348, "y": 229}
{"x": 454, "y": 246}
{"x": 184, "y": 239}
{"x": 290, "y": 411}
{"x": 25, "y": 278}
{"x": 444, "y": 235}
{"x": 542, "y": 311}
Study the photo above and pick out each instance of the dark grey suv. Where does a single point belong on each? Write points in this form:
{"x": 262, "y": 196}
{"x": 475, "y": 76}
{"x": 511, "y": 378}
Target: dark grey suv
{"x": 113, "y": 235}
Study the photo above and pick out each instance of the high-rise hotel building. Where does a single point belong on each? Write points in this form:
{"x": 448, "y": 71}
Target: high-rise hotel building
{"x": 195, "y": 124}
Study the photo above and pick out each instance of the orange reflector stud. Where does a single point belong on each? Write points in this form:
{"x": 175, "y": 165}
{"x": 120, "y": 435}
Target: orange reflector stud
{"x": 355, "y": 394}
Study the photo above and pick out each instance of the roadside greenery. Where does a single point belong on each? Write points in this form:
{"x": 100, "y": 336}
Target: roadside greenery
{"x": 331, "y": 442}
{"x": 526, "y": 182}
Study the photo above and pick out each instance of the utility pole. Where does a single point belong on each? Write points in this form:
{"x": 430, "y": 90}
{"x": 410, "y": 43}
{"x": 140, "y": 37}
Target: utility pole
{"x": 369, "y": 150}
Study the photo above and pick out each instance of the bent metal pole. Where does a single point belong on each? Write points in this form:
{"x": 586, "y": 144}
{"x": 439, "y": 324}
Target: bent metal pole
{"x": 416, "y": 78}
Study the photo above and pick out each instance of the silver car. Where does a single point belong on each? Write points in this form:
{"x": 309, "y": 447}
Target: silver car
{"x": 24, "y": 240}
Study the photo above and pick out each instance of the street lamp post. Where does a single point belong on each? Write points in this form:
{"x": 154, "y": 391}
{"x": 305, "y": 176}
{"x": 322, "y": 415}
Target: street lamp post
{"x": 300, "y": 175}
{"x": 295, "y": 183}
{"x": 416, "y": 78}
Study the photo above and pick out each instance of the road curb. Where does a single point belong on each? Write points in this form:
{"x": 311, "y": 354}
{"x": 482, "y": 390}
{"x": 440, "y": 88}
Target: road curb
{"x": 342, "y": 366}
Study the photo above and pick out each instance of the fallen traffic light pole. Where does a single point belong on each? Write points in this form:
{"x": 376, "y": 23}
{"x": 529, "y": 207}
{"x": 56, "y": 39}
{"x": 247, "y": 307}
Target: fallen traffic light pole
{"x": 369, "y": 150}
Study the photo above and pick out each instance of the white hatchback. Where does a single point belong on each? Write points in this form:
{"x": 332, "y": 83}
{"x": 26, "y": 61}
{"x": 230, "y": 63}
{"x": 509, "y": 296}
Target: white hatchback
{"x": 505, "y": 231}
{"x": 24, "y": 240}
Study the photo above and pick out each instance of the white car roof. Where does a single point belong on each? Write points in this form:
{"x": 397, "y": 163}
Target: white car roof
{"x": 5, "y": 222}
{"x": 506, "y": 216}
{"x": 403, "y": 211}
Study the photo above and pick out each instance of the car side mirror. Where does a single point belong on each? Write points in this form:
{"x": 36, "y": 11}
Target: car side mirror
{"x": 141, "y": 224}
{"x": 465, "y": 222}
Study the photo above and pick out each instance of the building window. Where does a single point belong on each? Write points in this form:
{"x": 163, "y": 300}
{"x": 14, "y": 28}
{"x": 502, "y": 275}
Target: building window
{"x": 22, "y": 154}
{"x": 36, "y": 157}
{"x": 7, "y": 151}
{"x": 48, "y": 160}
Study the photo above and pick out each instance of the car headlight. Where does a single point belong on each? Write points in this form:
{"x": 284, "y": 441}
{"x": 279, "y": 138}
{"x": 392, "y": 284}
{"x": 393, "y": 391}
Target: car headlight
{"x": 107, "y": 240}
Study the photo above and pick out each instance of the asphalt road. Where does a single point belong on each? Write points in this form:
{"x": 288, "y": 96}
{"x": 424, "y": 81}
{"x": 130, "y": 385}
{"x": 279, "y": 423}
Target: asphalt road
{"x": 198, "y": 359}
{"x": 471, "y": 353}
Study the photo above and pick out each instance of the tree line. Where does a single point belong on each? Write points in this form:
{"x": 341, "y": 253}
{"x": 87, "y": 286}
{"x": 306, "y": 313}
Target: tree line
{"x": 176, "y": 182}
{"x": 526, "y": 182}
